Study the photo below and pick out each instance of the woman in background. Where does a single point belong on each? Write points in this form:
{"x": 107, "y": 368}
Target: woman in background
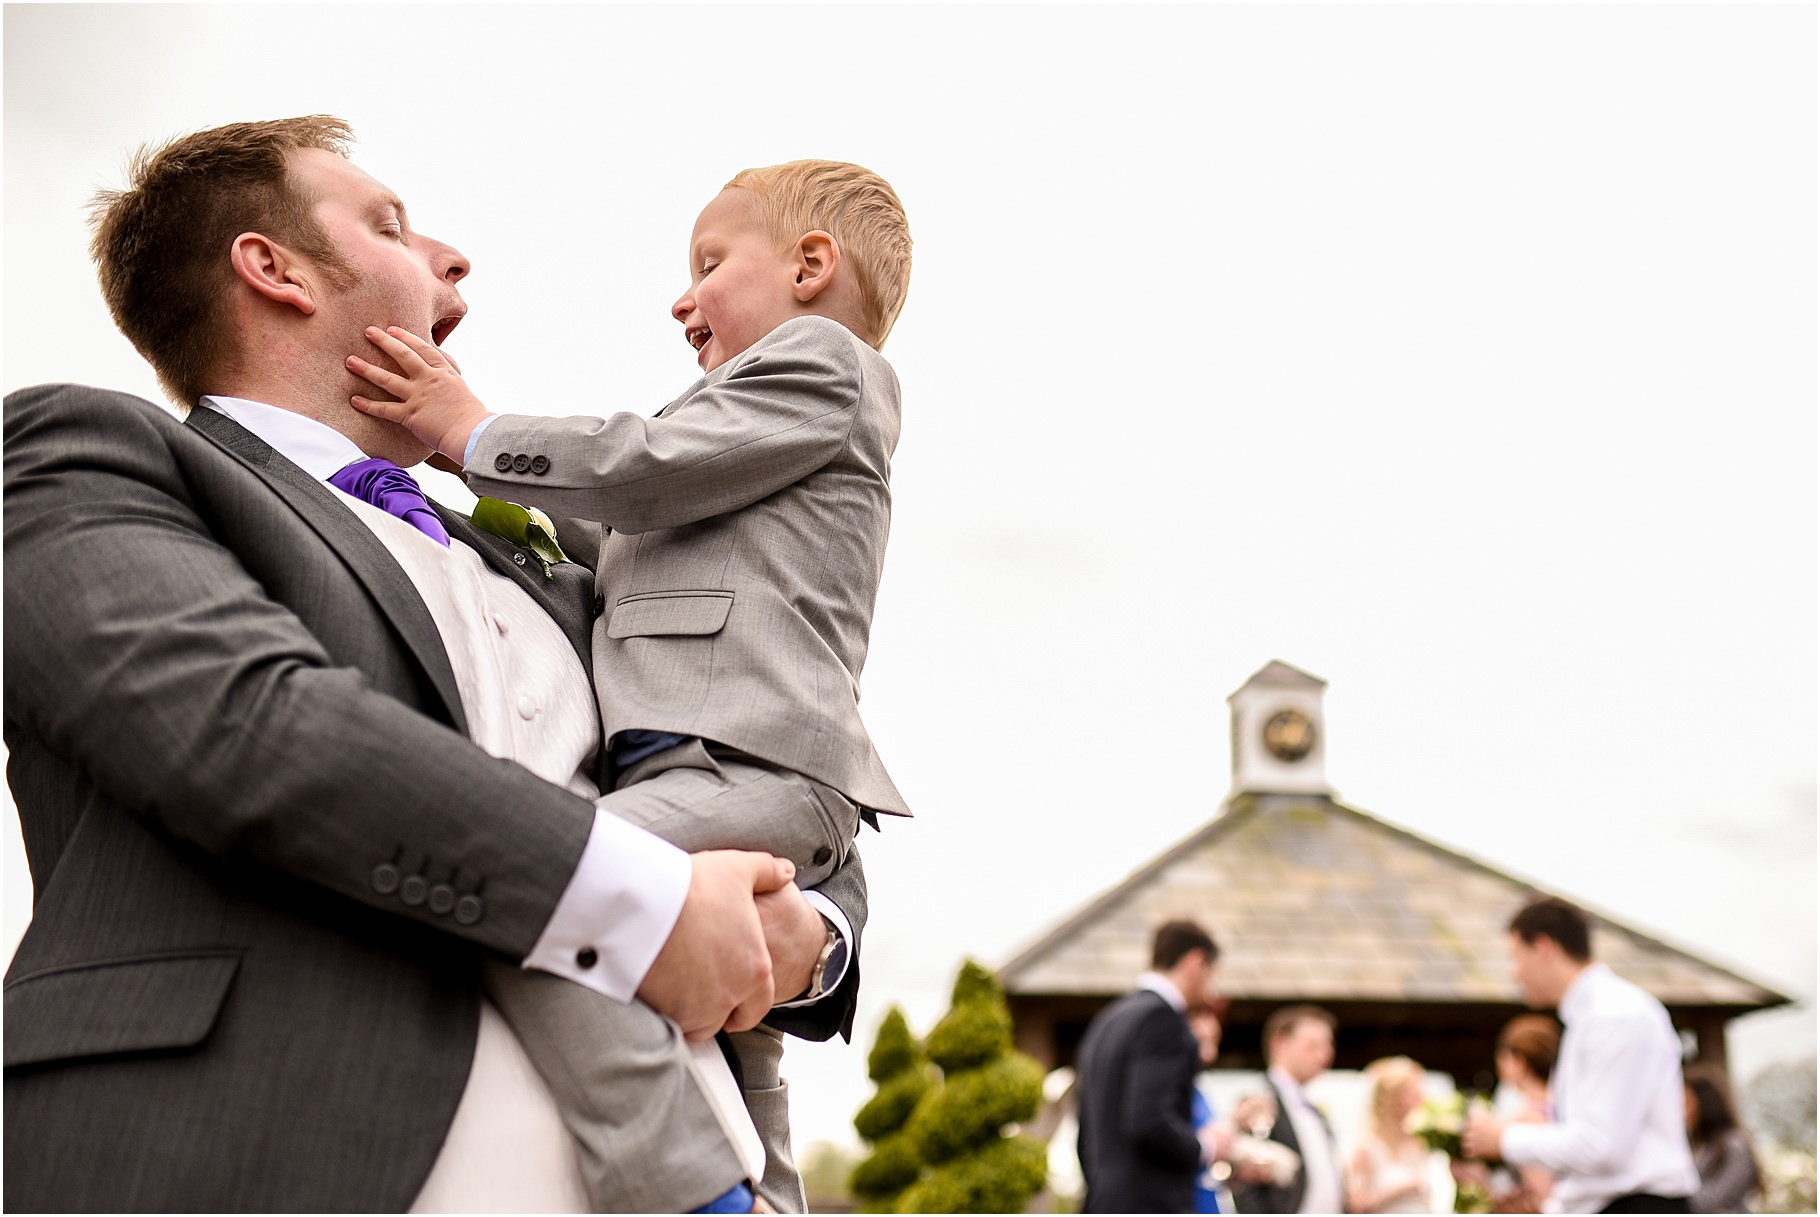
{"x": 1525, "y": 1058}
{"x": 1388, "y": 1171}
{"x": 1728, "y": 1167}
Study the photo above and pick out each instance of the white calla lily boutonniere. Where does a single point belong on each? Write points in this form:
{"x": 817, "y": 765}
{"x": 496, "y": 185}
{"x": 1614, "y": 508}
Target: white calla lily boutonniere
{"x": 521, "y": 525}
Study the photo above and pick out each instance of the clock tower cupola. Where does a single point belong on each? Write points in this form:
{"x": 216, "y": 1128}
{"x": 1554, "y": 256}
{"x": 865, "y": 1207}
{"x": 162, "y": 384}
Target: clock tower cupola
{"x": 1279, "y": 736}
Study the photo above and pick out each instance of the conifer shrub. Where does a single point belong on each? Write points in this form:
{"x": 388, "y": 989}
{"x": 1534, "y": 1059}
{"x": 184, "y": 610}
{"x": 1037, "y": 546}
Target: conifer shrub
{"x": 972, "y": 1162}
{"x": 900, "y": 1069}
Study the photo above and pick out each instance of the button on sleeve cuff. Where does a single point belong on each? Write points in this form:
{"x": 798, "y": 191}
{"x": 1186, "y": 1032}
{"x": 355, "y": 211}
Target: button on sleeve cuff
{"x": 617, "y": 911}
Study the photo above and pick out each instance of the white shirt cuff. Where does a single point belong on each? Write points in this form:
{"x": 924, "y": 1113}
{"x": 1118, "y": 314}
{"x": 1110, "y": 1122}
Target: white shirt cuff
{"x": 830, "y": 980}
{"x": 467, "y": 453}
{"x": 618, "y": 910}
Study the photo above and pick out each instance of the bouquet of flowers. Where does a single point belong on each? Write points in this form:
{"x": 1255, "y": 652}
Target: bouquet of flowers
{"x": 1438, "y": 1123}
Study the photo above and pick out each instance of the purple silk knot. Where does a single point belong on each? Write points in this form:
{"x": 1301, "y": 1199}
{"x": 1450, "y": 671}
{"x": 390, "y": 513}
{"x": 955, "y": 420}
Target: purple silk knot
{"x": 395, "y": 492}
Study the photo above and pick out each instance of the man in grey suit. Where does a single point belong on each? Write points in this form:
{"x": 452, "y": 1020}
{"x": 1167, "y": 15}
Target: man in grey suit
{"x": 267, "y": 860}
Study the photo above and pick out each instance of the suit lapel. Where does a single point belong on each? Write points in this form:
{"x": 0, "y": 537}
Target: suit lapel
{"x": 342, "y": 531}
{"x": 565, "y": 596}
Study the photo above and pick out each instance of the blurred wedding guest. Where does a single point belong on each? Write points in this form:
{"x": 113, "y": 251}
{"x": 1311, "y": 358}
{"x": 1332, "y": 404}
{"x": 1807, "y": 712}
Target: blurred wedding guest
{"x": 1134, "y": 1082}
{"x": 1388, "y": 1171}
{"x": 1525, "y": 1058}
{"x": 1205, "y": 1025}
{"x": 1616, "y": 1135}
{"x": 1722, "y": 1152}
{"x": 1298, "y": 1045}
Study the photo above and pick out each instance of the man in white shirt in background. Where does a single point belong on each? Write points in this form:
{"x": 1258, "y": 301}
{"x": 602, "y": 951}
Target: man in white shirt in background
{"x": 1298, "y": 1044}
{"x": 1616, "y": 1135}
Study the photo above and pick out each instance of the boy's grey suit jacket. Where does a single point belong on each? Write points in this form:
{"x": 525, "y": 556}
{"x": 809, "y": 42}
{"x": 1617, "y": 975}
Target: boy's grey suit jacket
{"x": 262, "y": 885}
{"x": 748, "y": 524}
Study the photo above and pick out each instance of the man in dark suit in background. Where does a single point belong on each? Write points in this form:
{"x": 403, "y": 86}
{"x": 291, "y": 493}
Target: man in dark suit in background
{"x": 1298, "y": 1045}
{"x": 266, "y": 856}
{"x": 1135, "y": 1083}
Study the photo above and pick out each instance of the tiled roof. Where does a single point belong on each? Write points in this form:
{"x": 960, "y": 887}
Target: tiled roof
{"x": 1312, "y": 900}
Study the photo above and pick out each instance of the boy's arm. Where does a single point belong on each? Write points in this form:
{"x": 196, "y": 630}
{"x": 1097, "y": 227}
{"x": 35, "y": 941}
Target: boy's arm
{"x": 781, "y": 413}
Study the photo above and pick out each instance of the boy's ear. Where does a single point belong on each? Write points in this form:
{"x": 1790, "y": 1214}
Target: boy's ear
{"x": 272, "y": 270}
{"x": 817, "y": 258}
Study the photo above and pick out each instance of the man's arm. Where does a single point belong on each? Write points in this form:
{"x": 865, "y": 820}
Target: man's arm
{"x": 1155, "y": 1071}
{"x": 782, "y": 413}
{"x": 145, "y": 646}
{"x": 1619, "y": 1066}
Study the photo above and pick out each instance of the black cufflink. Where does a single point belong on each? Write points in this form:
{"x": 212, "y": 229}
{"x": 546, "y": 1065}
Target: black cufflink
{"x": 586, "y": 958}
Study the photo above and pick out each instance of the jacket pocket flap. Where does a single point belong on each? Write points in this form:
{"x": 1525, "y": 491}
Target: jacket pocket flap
{"x": 125, "y": 1005}
{"x": 670, "y": 613}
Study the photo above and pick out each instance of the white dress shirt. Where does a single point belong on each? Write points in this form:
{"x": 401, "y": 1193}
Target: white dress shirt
{"x": 1164, "y": 988}
{"x": 1322, "y": 1191}
{"x": 1619, "y": 1122}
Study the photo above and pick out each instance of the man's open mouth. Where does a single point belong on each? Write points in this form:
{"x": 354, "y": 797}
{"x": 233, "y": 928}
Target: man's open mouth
{"x": 440, "y": 332}
{"x": 698, "y": 336}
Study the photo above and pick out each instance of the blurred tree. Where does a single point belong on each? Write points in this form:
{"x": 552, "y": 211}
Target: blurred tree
{"x": 825, "y": 1168}
{"x": 901, "y": 1071}
{"x": 1778, "y": 1107}
{"x": 973, "y": 1162}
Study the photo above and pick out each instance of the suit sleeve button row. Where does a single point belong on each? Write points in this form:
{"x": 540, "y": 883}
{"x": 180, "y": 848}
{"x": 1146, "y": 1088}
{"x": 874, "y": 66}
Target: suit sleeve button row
{"x": 522, "y": 462}
{"x": 414, "y": 890}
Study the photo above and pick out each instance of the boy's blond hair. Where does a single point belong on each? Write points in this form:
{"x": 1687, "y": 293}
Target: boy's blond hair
{"x": 858, "y": 209}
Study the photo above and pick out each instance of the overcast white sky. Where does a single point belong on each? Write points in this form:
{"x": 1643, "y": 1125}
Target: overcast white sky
{"x": 1461, "y": 355}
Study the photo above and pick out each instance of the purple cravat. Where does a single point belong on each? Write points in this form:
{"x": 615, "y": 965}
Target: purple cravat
{"x": 392, "y": 490}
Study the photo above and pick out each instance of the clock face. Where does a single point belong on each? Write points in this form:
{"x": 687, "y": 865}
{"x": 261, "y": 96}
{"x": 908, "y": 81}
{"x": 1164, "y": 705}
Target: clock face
{"x": 1288, "y": 735}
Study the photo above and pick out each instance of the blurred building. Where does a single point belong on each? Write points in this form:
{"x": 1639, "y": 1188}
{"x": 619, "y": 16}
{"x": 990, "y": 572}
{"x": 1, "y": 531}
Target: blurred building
{"x": 1314, "y": 901}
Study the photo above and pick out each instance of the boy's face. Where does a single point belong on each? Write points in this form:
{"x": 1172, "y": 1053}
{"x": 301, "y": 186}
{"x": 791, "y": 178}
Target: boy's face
{"x": 741, "y": 286}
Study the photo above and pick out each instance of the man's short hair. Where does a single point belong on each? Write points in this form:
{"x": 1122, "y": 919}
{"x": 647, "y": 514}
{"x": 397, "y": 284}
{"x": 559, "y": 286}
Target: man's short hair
{"x": 858, "y": 209}
{"x": 1175, "y": 939}
{"x": 161, "y": 244}
{"x": 1285, "y": 1020}
{"x": 1553, "y": 917}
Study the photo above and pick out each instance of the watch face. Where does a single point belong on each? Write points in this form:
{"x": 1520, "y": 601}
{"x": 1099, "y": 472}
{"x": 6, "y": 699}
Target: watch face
{"x": 1288, "y": 735}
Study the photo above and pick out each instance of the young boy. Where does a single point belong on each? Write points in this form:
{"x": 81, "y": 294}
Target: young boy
{"x": 746, "y": 527}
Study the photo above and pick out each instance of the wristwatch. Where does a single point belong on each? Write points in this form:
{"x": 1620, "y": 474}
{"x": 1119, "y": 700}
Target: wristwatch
{"x": 833, "y": 955}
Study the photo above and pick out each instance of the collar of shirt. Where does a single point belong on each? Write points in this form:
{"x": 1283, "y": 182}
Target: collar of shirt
{"x": 1579, "y": 996}
{"x": 1288, "y": 1087}
{"x": 316, "y": 448}
{"x": 1159, "y": 984}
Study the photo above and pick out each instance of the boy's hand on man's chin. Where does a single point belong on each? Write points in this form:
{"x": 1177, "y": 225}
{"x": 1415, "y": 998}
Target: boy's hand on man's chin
{"x": 433, "y": 402}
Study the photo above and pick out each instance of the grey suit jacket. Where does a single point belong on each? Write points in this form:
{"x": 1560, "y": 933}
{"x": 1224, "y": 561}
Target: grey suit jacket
{"x": 748, "y": 525}
{"x": 262, "y": 886}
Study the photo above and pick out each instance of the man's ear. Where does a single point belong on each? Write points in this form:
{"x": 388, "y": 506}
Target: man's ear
{"x": 817, "y": 257}
{"x": 271, "y": 270}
